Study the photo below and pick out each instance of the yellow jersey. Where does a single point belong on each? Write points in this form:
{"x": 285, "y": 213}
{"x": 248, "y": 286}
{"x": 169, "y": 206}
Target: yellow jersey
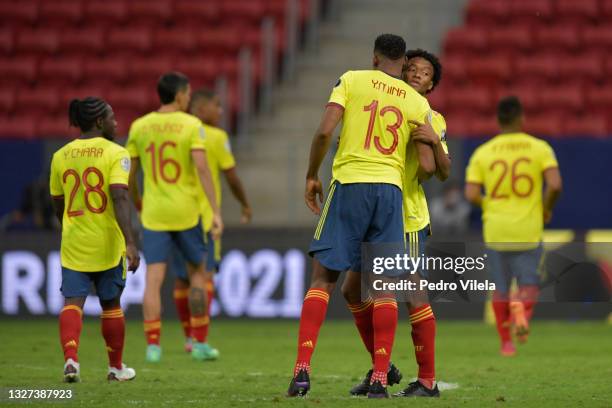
{"x": 416, "y": 213}
{"x": 375, "y": 132}
{"x": 220, "y": 157}
{"x": 510, "y": 167}
{"x": 163, "y": 142}
{"x": 82, "y": 173}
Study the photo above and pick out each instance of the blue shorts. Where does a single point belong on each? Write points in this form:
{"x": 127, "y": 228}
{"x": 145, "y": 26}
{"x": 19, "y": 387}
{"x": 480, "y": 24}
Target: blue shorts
{"x": 157, "y": 245}
{"x": 109, "y": 283}
{"x": 355, "y": 213}
{"x": 522, "y": 265}
{"x": 178, "y": 266}
{"x": 416, "y": 242}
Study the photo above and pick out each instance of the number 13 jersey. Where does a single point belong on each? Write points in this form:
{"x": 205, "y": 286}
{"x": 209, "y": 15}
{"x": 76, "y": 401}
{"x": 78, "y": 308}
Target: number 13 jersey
{"x": 163, "y": 142}
{"x": 82, "y": 173}
{"x": 375, "y": 132}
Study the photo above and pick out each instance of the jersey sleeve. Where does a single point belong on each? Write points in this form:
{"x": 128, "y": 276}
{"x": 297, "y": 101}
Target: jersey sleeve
{"x": 548, "y": 159}
{"x": 339, "y": 95}
{"x": 131, "y": 142}
{"x": 120, "y": 169}
{"x": 473, "y": 173}
{"x": 197, "y": 140}
{"x": 223, "y": 151}
{"x": 442, "y": 132}
{"x": 55, "y": 182}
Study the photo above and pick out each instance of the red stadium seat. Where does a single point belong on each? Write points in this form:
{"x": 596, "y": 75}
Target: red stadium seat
{"x": 277, "y": 9}
{"x": 6, "y": 41}
{"x": 129, "y": 40}
{"x": 14, "y": 13}
{"x": 245, "y": 11}
{"x": 83, "y": 41}
{"x": 527, "y": 94}
{"x": 7, "y": 99}
{"x": 469, "y": 99}
{"x": 569, "y": 98}
{"x": 558, "y": 38}
{"x": 590, "y": 125}
{"x": 222, "y": 40}
{"x": 60, "y": 70}
{"x": 598, "y": 39}
{"x": 17, "y": 127}
{"x": 581, "y": 67}
{"x": 37, "y": 41}
{"x": 455, "y": 69}
{"x": 105, "y": 12}
{"x": 437, "y": 100}
{"x": 457, "y": 125}
{"x": 132, "y": 98}
{"x": 175, "y": 41}
{"x": 489, "y": 70}
{"x": 197, "y": 12}
{"x": 61, "y": 12}
{"x": 201, "y": 71}
{"x": 544, "y": 125}
{"x": 156, "y": 12}
{"x": 18, "y": 69}
{"x": 599, "y": 99}
{"x": 487, "y": 13}
{"x": 37, "y": 100}
{"x": 510, "y": 39}
{"x": 535, "y": 69}
{"x": 482, "y": 125}
{"x": 606, "y": 11}
{"x": 577, "y": 12}
{"x": 465, "y": 40}
{"x": 531, "y": 12}
{"x": 55, "y": 126}
{"x": 104, "y": 70}
{"x": 78, "y": 92}
{"x": 147, "y": 71}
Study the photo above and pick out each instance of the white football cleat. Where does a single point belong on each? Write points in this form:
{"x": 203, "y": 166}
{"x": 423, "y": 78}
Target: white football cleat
{"x": 72, "y": 371}
{"x": 125, "y": 374}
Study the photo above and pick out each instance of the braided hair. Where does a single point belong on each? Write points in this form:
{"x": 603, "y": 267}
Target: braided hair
{"x": 83, "y": 113}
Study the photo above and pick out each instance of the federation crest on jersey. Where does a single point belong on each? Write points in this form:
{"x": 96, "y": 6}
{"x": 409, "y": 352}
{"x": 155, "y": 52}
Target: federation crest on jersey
{"x": 125, "y": 163}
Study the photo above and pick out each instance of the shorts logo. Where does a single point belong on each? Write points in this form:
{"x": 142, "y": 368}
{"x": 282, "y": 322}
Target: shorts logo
{"x": 125, "y": 163}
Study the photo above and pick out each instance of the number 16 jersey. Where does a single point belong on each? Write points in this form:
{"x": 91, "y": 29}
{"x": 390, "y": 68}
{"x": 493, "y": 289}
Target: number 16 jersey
{"x": 82, "y": 173}
{"x": 163, "y": 142}
{"x": 377, "y": 106}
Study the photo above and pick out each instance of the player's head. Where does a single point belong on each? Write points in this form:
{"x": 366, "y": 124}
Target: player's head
{"x": 422, "y": 71}
{"x": 389, "y": 48}
{"x": 206, "y": 105}
{"x": 510, "y": 113}
{"x": 93, "y": 115}
{"x": 173, "y": 87}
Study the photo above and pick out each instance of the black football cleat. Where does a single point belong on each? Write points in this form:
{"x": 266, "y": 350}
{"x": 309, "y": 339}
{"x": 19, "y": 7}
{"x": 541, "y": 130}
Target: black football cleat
{"x": 416, "y": 389}
{"x": 393, "y": 377}
{"x": 377, "y": 391}
{"x": 299, "y": 385}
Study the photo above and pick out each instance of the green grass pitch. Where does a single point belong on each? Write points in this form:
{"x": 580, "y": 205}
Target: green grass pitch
{"x": 564, "y": 364}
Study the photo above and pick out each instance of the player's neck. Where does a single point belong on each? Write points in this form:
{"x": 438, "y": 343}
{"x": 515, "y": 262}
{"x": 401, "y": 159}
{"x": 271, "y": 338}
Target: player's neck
{"x": 390, "y": 69}
{"x": 90, "y": 135}
{"x": 169, "y": 108}
{"x": 510, "y": 129}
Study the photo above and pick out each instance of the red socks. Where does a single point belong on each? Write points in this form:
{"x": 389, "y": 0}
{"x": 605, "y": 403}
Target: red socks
{"x": 362, "y": 312}
{"x": 424, "y": 336}
{"x": 70, "y": 325}
{"x": 384, "y": 321}
{"x": 501, "y": 307}
{"x": 113, "y": 331}
{"x": 210, "y": 293}
{"x": 199, "y": 328}
{"x": 313, "y": 314}
{"x": 152, "y": 329}
{"x": 528, "y": 294}
{"x": 181, "y": 301}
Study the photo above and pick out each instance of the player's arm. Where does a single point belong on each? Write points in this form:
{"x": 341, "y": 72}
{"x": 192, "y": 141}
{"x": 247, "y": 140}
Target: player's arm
{"x": 473, "y": 193}
{"x": 423, "y": 135}
{"x": 201, "y": 164}
{"x": 121, "y": 204}
{"x": 133, "y": 183}
{"x": 554, "y": 187}
{"x": 56, "y": 190}
{"x": 58, "y": 207}
{"x": 231, "y": 176}
{"x": 320, "y": 144}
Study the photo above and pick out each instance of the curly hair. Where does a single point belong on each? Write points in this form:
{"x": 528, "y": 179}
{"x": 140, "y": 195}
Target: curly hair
{"x": 432, "y": 59}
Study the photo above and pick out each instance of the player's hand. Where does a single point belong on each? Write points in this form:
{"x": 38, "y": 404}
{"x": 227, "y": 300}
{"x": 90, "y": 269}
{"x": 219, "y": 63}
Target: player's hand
{"x": 547, "y": 216}
{"x": 314, "y": 188}
{"x": 133, "y": 257}
{"x": 217, "y": 226}
{"x": 424, "y": 132}
{"x": 246, "y": 216}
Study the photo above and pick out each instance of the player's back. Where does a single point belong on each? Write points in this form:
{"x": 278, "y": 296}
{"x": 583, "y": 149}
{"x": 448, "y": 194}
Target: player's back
{"x": 377, "y": 106}
{"x": 511, "y": 167}
{"x": 163, "y": 142}
{"x": 83, "y": 172}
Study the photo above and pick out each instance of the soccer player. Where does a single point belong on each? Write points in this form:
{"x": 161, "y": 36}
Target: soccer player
{"x": 423, "y": 72}
{"x": 206, "y": 106}
{"x": 364, "y": 202}
{"x": 169, "y": 145}
{"x": 512, "y": 168}
{"x": 91, "y": 173}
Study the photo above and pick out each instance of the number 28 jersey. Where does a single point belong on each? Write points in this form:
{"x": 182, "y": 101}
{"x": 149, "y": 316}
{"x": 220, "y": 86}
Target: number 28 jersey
{"x": 510, "y": 167}
{"x": 375, "y": 132}
{"x": 82, "y": 173}
{"x": 163, "y": 142}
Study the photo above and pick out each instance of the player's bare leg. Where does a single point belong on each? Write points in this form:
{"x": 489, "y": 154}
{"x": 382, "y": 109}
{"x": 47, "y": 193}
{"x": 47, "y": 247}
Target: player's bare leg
{"x": 70, "y": 325}
{"x": 113, "y": 331}
{"x": 151, "y": 307}
{"x": 314, "y": 308}
{"x": 198, "y": 307}
{"x": 181, "y": 301}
